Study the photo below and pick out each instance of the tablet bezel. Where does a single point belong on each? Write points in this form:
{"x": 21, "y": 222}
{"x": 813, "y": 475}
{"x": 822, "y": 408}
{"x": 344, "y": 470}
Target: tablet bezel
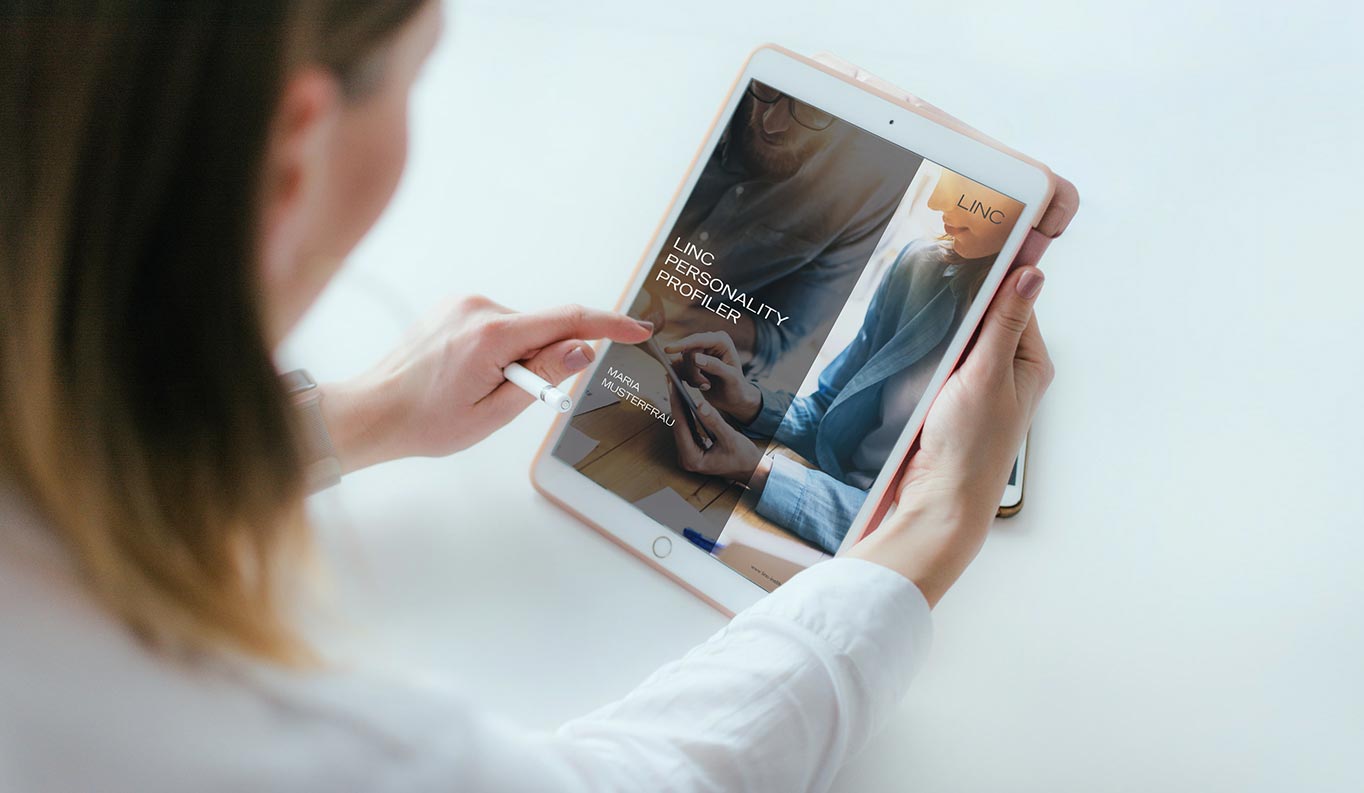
{"x": 873, "y": 111}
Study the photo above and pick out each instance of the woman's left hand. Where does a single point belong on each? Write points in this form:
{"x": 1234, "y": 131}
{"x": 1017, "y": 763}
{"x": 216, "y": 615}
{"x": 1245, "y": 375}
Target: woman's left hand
{"x": 442, "y": 389}
{"x": 734, "y": 455}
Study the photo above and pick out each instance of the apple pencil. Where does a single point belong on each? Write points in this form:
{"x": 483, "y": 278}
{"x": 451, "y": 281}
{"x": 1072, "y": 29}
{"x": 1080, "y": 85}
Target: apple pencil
{"x": 538, "y": 387}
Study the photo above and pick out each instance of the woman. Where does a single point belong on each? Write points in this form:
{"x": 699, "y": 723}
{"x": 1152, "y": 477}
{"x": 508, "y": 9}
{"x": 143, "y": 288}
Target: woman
{"x": 849, "y": 424}
{"x": 180, "y": 180}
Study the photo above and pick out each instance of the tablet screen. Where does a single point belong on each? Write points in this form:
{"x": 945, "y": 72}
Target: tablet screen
{"x": 808, "y": 290}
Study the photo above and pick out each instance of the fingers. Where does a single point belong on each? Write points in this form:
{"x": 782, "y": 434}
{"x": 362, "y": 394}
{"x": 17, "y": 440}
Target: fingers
{"x": 711, "y": 364}
{"x": 697, "y": 370}
{"x": 654, "y": 312}
{"x": 705, "y": 357}
{"x": 692, "y": 342}
{"x": 717, "y": 344}
{"x": 1031, "y": 348}
{"x": 515, "y": 334}
{"x": 1007, "y": 319}
{"x": 715, "y": 369}
{"x": 692, "y": 373}
{"x": 561, "y": 360}
{"x": 702, "y": 370}
{"x": 684, "y": 363}
{"x": 1033, "y": 369}
{"x": 689, "y": 454}
{"x": 711, "y": 419}
{"x": 555, "y": 363}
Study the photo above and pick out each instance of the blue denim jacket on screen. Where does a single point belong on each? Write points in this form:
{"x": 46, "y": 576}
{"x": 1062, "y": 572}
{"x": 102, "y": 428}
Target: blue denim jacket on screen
{"x": 914, "y": 309}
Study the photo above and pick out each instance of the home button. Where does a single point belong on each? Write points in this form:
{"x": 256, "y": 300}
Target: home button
{"x": 662, "y": 547}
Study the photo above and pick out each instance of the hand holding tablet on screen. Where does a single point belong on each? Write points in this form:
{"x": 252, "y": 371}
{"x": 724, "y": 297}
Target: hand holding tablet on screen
{"x": 827, "y": 260}
{"x": 464, "y": 371}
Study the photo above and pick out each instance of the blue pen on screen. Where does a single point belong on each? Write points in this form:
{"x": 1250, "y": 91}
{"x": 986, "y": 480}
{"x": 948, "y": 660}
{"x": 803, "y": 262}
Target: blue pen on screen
{"x": 700, "y": 541}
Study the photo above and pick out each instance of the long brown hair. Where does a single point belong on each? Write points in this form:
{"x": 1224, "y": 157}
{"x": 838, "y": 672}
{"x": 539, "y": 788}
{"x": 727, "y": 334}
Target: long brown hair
{"x": 140, "y": 410}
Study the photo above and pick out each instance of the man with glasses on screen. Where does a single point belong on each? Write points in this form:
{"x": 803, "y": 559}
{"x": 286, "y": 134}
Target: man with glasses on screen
{"x": 790, "y": 205}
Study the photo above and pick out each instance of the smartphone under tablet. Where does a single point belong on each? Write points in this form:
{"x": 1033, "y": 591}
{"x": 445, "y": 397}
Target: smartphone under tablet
{"x": 1011, "y": 503}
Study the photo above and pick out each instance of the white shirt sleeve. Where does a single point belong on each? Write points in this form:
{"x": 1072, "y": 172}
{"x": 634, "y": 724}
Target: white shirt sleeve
{"x": 777, "y": 700}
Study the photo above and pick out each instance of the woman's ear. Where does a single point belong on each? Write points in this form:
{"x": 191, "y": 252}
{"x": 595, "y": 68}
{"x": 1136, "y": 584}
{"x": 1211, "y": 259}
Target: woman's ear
{"x": 293, "y": 181}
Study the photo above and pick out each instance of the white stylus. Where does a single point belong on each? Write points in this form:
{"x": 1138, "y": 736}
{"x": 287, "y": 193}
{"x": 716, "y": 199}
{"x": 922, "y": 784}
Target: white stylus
{"x": 538, "y": 387}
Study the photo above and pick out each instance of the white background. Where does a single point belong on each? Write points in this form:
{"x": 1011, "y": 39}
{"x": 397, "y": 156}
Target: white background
{"x": 1178, "y": 607}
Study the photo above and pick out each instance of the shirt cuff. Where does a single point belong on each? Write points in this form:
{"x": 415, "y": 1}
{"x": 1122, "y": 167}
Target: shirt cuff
{"x": 771, "y": 413}
{"x": 871, "y": 617}
{"x": 783, "y": 492}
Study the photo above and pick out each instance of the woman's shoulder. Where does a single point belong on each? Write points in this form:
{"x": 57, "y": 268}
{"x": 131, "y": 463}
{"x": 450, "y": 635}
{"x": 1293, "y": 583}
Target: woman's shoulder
{"x": 149, "y": 721}
{"x": 914, "y": 258}
{"x": 921, "y": 253}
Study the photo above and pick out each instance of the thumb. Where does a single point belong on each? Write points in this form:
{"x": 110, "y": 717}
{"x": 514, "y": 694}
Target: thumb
{"x": 561, "y": 360}
{"x": 1008, "y": 316}
{"x": 711, "y": 418}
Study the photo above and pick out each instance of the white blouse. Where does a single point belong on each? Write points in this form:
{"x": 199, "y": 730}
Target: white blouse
{"x": 776, "y": 701}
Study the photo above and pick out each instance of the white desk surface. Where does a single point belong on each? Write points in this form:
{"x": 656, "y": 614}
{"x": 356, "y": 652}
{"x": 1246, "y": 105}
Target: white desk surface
{"x": 1178, "y": 607}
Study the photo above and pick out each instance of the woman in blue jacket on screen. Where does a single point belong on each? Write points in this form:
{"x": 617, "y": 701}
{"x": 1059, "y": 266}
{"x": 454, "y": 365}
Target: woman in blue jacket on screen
{"x": 848, "y": 426}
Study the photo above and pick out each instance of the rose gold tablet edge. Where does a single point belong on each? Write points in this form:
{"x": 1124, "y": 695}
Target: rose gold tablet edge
{"x": 682, "y": 582}
{"x": 944, "y": 120}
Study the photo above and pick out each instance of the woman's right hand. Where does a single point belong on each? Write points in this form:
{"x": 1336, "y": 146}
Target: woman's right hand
{"x": 710, "y": 362}
{"x": 952, "y": 485}
{"x": 442, "y": 389}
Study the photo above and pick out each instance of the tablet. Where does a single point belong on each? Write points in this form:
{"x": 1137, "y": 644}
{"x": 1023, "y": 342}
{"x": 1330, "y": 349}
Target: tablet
{"x": 817, "y": 277}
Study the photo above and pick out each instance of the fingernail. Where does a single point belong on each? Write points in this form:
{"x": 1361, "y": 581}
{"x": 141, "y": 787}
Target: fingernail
{"x": 577, "y": 358}
{"x": 1030, "y": 283}
{"x": 702, "y": 359}
{"x": 646, "y": 324}
{"x": 705, "y": 408}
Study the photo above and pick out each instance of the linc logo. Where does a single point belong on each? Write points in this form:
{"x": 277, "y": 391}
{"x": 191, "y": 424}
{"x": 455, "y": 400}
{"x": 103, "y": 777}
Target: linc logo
{"x": 991, "y": 214}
